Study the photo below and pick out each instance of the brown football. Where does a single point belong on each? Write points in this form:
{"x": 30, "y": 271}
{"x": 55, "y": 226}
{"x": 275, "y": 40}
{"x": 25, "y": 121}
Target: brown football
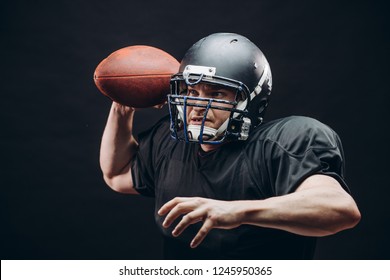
{"x": 136, "y": 76}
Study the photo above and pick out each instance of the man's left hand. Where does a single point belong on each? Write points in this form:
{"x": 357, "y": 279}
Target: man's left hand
{"x": 213, "y": 214}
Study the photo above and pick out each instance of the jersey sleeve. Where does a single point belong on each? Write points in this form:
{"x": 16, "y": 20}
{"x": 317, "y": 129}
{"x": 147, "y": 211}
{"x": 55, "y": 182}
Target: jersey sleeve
{"x": 300, "y": 147}
{"x": 143, "y": 165}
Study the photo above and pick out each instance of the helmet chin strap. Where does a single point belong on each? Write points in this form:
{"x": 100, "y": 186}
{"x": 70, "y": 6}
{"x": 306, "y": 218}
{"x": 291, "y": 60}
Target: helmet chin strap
{"x": 195, "y": 130}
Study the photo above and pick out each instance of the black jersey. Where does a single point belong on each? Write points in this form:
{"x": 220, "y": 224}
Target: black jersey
{"x": 274, "y": 160}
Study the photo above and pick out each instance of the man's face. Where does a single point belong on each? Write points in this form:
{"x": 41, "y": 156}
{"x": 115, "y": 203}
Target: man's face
{"x": 215, "y": 118}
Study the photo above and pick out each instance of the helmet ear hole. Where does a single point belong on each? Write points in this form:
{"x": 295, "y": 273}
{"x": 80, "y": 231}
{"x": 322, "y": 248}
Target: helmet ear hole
{"x": 257, "y": 108}
{"x": 262, "y": 106}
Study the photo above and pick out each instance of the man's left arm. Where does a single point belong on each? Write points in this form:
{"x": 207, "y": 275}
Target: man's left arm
{"x": 318, "y": 207}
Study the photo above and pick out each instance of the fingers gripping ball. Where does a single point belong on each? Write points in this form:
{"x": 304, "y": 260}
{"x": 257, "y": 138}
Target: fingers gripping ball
{"x": 136, "y": 76}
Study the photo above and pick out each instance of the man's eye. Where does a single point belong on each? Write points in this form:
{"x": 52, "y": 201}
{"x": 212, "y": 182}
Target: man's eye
{"x": 189, "y": 92}
{"x": 217, "y": 94}
{"x": 192, "y": 92}
{"x": 184, "y": 91}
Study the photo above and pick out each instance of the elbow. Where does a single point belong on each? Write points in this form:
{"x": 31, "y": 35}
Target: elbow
{"x": 347, "y": 214}
{"x": 344, "y": 217}
{"x": 350, "y": 213}
{"x": 349, "y": 217}
{"x": 354, "y": 216}
{"x": 117, "y": 185}
{"x": 109, "y": 180}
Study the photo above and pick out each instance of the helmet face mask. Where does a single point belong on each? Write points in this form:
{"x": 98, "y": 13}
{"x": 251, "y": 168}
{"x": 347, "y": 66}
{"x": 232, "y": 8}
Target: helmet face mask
{"x": 180, "y": 103}
{"x": 227, "y": 61}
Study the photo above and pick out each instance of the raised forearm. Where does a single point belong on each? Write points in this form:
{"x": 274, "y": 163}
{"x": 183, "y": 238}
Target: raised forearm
{"x": 118, "y": 145}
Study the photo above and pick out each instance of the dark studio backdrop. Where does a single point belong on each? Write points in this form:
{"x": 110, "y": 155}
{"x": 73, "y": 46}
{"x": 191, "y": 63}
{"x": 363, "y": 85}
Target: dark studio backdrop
{"x": 329, "y": 61}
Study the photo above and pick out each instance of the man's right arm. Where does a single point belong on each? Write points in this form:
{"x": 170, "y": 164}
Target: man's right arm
{"x": 118, "y": 147}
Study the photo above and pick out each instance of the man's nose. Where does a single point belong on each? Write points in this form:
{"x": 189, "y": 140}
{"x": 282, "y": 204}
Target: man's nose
{"x": 200, "y": 105}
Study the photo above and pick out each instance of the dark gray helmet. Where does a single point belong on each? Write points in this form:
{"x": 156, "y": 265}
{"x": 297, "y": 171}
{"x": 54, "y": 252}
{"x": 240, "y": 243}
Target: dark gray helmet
{"x": 229, "y": 60}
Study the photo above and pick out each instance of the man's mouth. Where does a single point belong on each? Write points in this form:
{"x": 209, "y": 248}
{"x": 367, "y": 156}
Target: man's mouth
{"x": 198, "y": 120}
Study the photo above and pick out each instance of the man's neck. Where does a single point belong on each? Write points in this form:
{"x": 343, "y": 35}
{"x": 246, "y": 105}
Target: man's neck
{"x": 208, "y": 148}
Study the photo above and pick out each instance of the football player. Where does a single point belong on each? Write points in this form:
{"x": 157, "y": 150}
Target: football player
{"x": 227, "y": 184}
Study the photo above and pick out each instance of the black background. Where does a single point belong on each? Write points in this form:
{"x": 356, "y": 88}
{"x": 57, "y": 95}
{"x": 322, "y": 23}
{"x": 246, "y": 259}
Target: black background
{"x": 329, "y": 61}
